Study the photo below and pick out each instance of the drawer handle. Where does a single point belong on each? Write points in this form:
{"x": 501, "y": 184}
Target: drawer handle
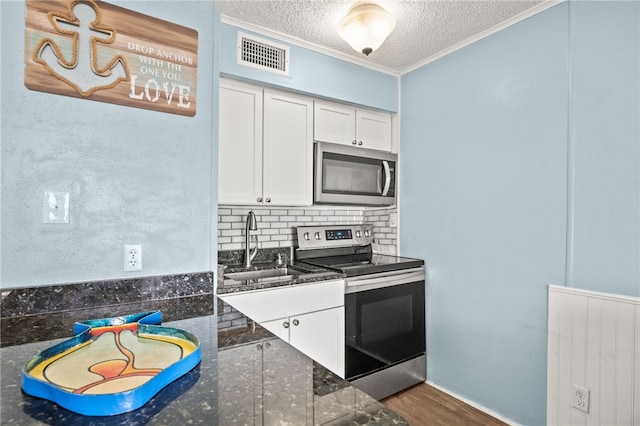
{"x": 285, "y": 324}
{"x": 296, "y": 322}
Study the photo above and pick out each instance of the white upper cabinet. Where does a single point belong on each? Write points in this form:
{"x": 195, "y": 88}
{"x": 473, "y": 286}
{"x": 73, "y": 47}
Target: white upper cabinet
{"x": 347, "y": 125}
{"x": 287, "y": 149}
{"x": 373, "y": 130}
{"x": 334, "y": 123}
{"x": 265, "y": 146}
{"x": 240, "y": 143}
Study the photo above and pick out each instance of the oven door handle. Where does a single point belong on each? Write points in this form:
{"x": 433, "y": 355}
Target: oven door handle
{"x": 389, "y": 279}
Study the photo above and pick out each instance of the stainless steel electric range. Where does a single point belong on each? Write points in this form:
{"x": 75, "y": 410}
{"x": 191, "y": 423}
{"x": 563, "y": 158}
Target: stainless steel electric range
{"x": 385, "y": 340}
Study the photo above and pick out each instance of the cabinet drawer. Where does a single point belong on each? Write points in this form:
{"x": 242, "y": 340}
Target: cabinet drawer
{"x": 280, "y": 302}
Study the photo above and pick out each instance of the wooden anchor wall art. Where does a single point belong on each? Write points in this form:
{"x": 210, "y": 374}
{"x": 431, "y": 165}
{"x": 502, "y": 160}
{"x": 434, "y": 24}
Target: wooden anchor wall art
{"x": 94, "y": 50}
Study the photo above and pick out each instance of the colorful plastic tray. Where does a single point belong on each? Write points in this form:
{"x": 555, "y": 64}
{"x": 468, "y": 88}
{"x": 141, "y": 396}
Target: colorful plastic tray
{"x": 112, "y": 365}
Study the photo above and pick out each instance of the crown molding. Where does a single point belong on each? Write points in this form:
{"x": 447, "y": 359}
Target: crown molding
{"x": 339, "y": 55}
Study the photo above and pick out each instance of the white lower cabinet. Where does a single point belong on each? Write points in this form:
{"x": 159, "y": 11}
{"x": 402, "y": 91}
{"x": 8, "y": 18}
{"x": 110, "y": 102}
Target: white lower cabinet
{"x": 308, "y": 316}
{"x": 276, "y": 388}
{"x": 315, "y": 334}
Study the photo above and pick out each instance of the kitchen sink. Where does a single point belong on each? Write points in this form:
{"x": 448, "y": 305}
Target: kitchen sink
{"x": 286, "y": 273}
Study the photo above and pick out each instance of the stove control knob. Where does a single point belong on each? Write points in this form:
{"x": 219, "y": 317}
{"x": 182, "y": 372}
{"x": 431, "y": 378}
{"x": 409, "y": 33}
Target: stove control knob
{"x": 306, "y": 236}
{"x": 317, "y": 235}
{"x": 367, "y": 233}
{"x": 358, "y": 234}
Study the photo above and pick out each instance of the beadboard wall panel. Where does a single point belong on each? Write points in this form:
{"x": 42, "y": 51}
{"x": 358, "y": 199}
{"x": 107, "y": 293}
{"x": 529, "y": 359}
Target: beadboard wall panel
{"x": 594, "y": 343}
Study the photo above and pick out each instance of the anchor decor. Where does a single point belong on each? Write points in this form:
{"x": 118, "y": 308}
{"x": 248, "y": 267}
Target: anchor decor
{"x": 94, "y": 50}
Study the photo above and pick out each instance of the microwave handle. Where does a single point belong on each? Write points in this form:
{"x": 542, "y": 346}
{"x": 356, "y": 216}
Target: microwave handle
{"x": 387, "y": 178}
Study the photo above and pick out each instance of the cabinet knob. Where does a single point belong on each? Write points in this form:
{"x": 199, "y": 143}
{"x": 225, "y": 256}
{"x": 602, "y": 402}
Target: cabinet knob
{"x": 267, "y": 345}
{"x": 268, "y": 200}
{"x": 354, "y": 142}
{"x": 259, "y": 199}
{"x": 259, "y": 347}
{"x": 285, "y": 324}
{"x": 360, "y": 143}
{"x": 296, "y": 322}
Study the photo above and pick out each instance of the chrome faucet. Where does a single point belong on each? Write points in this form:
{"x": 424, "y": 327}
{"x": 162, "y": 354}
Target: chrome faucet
{"x": 251, "y": 225}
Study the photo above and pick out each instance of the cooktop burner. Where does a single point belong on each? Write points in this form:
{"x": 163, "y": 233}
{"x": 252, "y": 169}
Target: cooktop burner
{"x": 347, "y": 248}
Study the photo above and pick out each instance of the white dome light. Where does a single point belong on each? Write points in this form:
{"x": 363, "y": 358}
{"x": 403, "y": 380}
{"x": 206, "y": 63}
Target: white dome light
{"x": 366, "y": 27}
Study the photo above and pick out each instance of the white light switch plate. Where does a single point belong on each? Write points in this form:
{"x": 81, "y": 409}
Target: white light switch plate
{"x": 55, "y": 207}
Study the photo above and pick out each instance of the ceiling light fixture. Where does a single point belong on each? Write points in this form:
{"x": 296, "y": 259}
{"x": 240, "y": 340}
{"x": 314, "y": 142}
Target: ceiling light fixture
{"x": 366, "y": 27}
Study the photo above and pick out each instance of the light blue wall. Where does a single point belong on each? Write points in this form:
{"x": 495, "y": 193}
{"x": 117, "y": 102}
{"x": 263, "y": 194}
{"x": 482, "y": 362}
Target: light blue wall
{"x": 519, "y": 164}
{"x": 604, "y": 139}
{"x": 135, "y": 176}
{"x": 316, "y": 74}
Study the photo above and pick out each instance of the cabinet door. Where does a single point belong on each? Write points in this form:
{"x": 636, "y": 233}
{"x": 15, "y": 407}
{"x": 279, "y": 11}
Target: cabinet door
{"x": 240, "y": 373}
{"x": 287, "y": 397}
{"x": 320, "y": 335}
{"x": 373, "y": 129}
{"x": 334, "y": 123}
{"x": 240, "y": 143}
{"x": 287, "y": 149}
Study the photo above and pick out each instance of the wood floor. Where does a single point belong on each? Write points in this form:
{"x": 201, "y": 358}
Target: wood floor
{"x": 424, "y": 405}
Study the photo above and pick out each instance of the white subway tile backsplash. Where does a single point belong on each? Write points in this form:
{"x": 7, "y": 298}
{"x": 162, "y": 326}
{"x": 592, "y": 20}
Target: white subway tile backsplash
{"x": 230, "y": 218}
{"x": 277, "y": 226}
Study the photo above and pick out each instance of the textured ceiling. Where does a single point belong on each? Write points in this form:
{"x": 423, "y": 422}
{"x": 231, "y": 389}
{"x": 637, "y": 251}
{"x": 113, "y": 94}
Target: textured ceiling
{"x": 425, "y": 28}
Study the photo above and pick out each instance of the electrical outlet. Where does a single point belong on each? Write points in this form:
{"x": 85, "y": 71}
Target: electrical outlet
{"x": 132, "y": 258}
{"x": 580, "y": 398}
{"x": 55, "y": 207}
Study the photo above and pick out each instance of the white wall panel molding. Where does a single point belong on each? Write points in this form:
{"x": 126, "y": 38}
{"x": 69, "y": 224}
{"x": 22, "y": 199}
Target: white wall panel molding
{"x": 593, "y": 343}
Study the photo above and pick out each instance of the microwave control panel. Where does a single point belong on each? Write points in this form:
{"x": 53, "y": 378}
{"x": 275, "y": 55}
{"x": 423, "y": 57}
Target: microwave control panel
{"x": 315, "y": 237}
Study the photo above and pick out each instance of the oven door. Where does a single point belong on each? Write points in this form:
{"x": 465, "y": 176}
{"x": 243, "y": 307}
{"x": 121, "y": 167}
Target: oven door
{"x": 348, "y": 175}
{"x": 384, "y": 320}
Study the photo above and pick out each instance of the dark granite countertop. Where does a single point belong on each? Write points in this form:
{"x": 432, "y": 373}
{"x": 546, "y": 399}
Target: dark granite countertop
{"x": 246, "y": 376}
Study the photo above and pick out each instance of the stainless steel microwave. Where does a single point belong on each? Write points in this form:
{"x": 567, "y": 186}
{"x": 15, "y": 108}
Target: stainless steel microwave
{"x": 345, "y": 174}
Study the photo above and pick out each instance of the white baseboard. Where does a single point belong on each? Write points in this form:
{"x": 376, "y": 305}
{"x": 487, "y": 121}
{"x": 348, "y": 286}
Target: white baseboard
{"x": 474, "y": 404}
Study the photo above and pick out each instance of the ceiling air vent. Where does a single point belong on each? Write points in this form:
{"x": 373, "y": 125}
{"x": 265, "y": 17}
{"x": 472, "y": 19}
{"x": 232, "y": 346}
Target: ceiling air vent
{"x": 262, "y": 54}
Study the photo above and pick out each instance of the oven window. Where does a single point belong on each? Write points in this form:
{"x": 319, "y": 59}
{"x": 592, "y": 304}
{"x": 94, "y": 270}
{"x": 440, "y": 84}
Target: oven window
{"x": 376, "y": 328}
{"x": 383, "y": 327}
